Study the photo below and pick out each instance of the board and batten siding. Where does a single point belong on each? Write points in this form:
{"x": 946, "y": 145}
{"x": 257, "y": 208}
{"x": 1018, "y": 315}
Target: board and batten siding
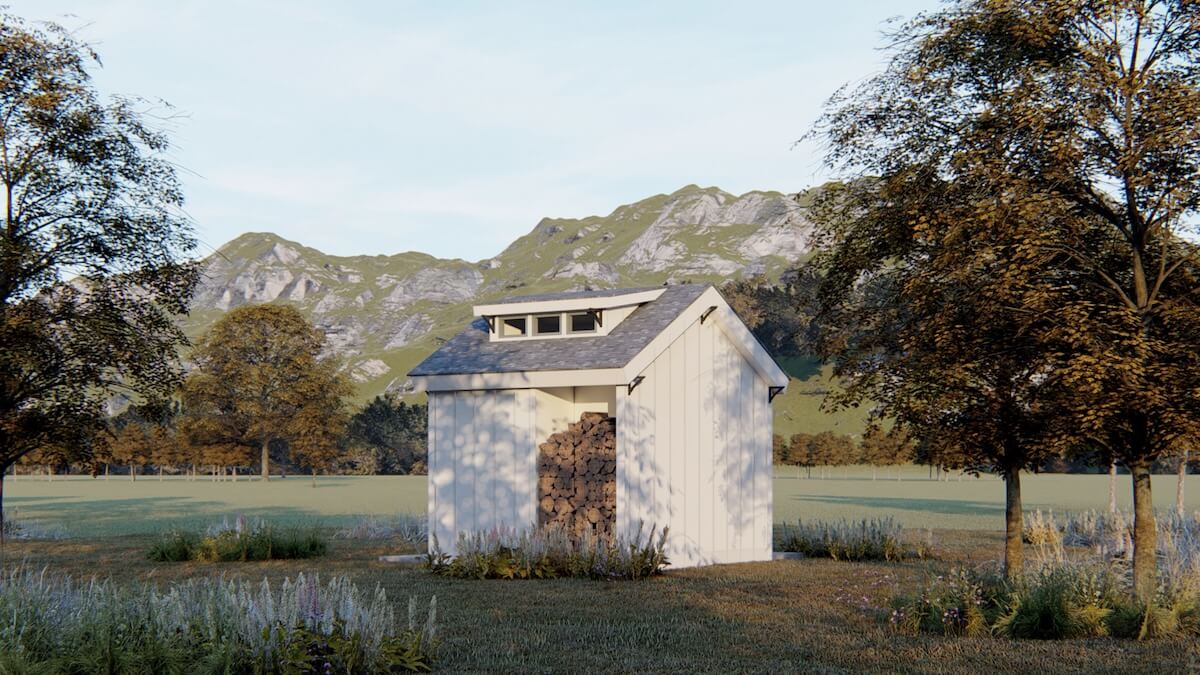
{"x": 694, "y": 451}
{"x": 482, "y": 462}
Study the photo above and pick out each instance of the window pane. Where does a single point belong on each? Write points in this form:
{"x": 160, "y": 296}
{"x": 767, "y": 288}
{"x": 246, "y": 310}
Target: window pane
{"x": 583, "y": 323}
{"x": 549, "y": 324}
{"x": 513, "y": 326}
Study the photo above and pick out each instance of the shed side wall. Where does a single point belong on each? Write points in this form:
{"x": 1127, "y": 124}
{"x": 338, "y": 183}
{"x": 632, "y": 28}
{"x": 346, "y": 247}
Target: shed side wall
{"x": 694, "y": 451}
{"x": 482, "y": 462}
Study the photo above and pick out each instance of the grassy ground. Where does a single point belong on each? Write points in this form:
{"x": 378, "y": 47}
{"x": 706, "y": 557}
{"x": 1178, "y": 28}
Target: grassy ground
{"x": 784, "y": 616}
{"x": 97, "y": 507}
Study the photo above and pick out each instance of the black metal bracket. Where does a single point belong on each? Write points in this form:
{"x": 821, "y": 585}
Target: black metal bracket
{"x": 772, "y": 392}
{"x": 636, "y": 381}
{"x": 598, "y": 315}
{"x": 708, "y": 311}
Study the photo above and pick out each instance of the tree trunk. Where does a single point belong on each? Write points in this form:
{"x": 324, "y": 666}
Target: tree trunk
{"x": 160, "y": 473}
{"x": 266, "y": 458}
{"x": 235, "y": 473}
{"x": 874, "y": 472}
{"x": 1112, "y": 487}
{"x": 132, "y": 472}
{"x": 1145, "y": 534}
{"x": 1013, "y": 551}
{"x": 314, "y": 472}
{"x": 1179, "y": 483}
{"x": 3, "y": 470}
{"x": 106, "y": 471}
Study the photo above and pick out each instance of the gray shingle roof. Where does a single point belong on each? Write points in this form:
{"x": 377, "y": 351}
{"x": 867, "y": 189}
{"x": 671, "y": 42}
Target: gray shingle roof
{"x": 472, "y": 352}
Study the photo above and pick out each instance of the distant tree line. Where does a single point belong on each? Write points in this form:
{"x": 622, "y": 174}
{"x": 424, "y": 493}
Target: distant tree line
{"x": 259, "y": 394}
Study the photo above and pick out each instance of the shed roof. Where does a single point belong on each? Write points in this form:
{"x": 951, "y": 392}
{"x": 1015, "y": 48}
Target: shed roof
{"x": 472, "y": 351}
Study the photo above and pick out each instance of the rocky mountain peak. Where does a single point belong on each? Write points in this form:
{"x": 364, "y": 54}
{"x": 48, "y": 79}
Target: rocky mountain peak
{"x": 382, "y": 313}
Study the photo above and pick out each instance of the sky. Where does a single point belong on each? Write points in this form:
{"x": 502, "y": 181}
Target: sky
{"x": 454, "y": 127}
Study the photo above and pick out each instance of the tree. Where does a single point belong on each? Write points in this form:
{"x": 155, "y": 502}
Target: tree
{"x": 88, "y": 193}
{"x": 886, "y": 448}
{"x": 1076, "y": 125}
{"x": 784, "y": 315}
{"x": 395, "y": 431}
{"x": 829, "y": 449}
{"x": 779, "y": 449}
{"x": 133, "y": 446}
{"x": 799, "y": 452}
{"x": 318, "y": 431}
{"x": 258, "y": 379}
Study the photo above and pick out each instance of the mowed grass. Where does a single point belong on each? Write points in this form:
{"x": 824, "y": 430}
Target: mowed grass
{"x": 97, "y": 507}
{"x": 965, "y": 502}
{"x": 783, "y": 616}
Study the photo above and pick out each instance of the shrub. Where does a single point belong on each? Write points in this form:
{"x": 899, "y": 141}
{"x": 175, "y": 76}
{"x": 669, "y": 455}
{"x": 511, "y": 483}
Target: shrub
{"x": 874, "y": 539}
{"x": 240, "y": 541}
{"x": 550, "y": 552}
{"x": 1041, "y": 530}
{"x": 55, "y": 625}
{"x": 1057, "y": 600}
{"x": 963, "y": 602}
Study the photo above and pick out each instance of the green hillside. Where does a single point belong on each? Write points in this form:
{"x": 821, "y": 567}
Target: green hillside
{"x": 382, "y": 314}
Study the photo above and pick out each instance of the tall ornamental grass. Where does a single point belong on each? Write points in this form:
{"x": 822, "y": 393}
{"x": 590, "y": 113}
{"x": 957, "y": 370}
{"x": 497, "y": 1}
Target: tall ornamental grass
{"x": 206, "y": 626}
{"x": 240, "y": 541}
{"x": 551, "y": 552}
{"x": 1077, "y": 584}
{"x": 867, "y": 539}
{"x": 407, "y": 528}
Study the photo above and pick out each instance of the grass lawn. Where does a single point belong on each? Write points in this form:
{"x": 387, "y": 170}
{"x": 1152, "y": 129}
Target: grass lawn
{"x": 98, "y": 507}
{"x": 783, "y": 616}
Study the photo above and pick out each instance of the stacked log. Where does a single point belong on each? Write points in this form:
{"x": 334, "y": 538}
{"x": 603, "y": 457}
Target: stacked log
{"x": 577, "y": 477}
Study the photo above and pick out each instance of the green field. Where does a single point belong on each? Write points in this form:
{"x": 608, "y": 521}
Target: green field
{"x": 98, "y": 507}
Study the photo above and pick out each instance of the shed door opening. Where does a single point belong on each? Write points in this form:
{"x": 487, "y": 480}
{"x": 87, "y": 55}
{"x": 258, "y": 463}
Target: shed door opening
{"x": 577, "y": 477}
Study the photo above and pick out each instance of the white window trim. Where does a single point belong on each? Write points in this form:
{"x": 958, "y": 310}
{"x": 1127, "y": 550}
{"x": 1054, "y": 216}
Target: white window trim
{"x": 564, "y": 323}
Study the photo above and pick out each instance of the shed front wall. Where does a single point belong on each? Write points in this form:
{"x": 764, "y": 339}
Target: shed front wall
{"x": 482, "y": 462}
{"x": 694, "y": 452}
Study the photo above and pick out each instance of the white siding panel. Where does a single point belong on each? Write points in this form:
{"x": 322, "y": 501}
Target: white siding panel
{"x": 689, "y": 456}
{"x": 441, "y": 470}
{"x": 483, "y": 462}
{"x": 464, "y": 460}
{"x": 706, "y": 426}
{"x": 721, "y": 436}
{"x": 694, "y": 451}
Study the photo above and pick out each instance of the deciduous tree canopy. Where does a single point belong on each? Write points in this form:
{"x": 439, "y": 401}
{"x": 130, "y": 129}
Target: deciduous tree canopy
{"x": 92, "y": 246}
{"x": 1032, "y": 164}
{"x": 259, "y": 378}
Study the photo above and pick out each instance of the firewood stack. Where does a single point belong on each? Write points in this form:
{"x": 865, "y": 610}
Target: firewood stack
{"x": 577, "y": 476}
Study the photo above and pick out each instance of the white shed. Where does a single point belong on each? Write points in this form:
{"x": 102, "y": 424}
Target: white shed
{"x": 690, "y": 389}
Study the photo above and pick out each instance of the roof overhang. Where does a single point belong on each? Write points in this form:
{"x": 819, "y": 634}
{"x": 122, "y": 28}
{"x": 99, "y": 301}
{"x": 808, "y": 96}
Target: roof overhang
{"x": 539, "y": 379}
{"x": 568, "y": 305}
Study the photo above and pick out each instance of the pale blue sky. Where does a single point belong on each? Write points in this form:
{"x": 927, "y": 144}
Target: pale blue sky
{"x": 452, "y": 128}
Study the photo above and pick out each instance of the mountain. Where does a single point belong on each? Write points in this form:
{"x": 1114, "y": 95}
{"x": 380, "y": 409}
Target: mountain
{"x": 384, "y": 313}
